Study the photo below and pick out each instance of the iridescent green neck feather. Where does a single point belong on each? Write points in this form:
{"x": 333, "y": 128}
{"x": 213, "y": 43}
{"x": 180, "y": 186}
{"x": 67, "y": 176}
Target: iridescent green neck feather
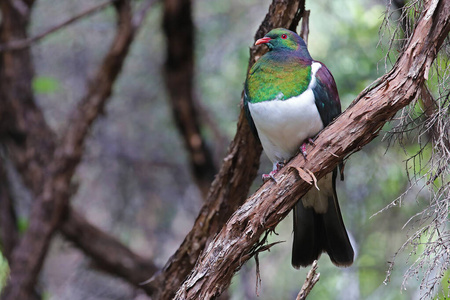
{"x": 277, "y": 76}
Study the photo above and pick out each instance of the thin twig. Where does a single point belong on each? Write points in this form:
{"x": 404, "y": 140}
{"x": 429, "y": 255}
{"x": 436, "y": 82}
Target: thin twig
{"x": 310, "y": 281}
{"x": 304, "y": 32}
{"x": 140, "y": 16}
{"x": 21, "y": 44}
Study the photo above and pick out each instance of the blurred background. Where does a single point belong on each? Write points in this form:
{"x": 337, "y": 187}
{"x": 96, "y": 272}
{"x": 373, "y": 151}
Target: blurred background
{"x": 135, "y": 181}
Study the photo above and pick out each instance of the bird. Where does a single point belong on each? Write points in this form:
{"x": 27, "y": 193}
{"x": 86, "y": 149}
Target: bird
{"x": 288, "y": 99}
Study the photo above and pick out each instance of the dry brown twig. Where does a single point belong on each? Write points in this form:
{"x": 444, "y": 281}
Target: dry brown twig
{"x": 311, "y": 279}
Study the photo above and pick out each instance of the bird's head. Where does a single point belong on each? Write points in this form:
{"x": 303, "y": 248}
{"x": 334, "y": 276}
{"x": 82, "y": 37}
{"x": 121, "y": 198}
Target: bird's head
{"x": 282, "y": 39}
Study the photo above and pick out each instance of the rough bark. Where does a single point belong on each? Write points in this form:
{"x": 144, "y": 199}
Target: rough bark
{"x": 179, "y": 78}
{"x": 358, "y": 125}
{"x": 54, "y": 193}
{"x": 232, "y": 183}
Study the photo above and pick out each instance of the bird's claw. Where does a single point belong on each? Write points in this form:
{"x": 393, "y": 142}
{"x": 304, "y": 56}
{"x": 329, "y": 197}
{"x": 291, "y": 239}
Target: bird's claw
{"x": 271, "y": 175}
{"x": 303, "y": 150}
{"x": 303, "y": 147}
{"x": 279, "y": 166}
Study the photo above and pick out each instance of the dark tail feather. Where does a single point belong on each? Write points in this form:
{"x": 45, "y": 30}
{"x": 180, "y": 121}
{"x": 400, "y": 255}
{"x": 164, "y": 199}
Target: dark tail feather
{"x": 307, "y": 245}
{"x": 316, "y": 233}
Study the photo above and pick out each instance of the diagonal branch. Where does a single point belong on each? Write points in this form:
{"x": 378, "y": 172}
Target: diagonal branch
{"x": 356, "y": 127}
{"x": 107, "y": 253}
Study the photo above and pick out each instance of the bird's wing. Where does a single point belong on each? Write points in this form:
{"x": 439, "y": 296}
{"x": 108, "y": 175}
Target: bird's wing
{"x": 327, "y": 100}
{"x": 247, "y": 112}
{"x": 326, "y": 96}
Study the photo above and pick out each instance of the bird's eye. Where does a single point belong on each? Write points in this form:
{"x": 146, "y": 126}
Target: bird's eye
{"x": 284, "y": 36}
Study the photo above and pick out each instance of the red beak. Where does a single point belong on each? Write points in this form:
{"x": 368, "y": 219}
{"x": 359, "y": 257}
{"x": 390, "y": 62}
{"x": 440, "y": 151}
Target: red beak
{"x": 263, "y": 40}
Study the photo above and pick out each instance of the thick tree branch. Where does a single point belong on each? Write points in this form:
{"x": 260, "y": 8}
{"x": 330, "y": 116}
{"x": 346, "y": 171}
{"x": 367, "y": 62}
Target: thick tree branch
{"x": 231, "y": 185}
{"x": 179, "y": 78}
{"x": 356, "y": 127}
{"x": 107, "y": 253}
{"x": 22, "y": 124}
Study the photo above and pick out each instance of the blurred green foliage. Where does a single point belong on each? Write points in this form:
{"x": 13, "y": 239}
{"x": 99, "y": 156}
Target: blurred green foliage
{"x": 45, "y": 85}
{"x": 22, "y": 224}
{"x": 4, "y": 271}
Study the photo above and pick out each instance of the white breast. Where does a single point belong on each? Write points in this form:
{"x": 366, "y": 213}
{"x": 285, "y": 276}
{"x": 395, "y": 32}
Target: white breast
{"x": 283, "y": 125}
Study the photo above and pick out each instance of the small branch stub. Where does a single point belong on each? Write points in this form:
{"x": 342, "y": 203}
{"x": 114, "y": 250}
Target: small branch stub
{"x": 310, "y": 281}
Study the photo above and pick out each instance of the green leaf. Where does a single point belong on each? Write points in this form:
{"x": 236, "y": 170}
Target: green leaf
{"x": 45, "y": 85}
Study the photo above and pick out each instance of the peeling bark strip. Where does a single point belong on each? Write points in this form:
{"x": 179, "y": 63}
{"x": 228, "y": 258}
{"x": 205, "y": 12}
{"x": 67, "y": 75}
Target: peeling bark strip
{"x": 231, "y": 185}
{"x": 356, "y": 127}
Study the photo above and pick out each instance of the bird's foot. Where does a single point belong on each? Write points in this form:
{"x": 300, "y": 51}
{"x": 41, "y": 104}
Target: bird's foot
{"x": 303, "y": 147}
{"x": 279, "y": 165}
{"x": 269, "y": 176}
{"x": 275, "y": 170}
